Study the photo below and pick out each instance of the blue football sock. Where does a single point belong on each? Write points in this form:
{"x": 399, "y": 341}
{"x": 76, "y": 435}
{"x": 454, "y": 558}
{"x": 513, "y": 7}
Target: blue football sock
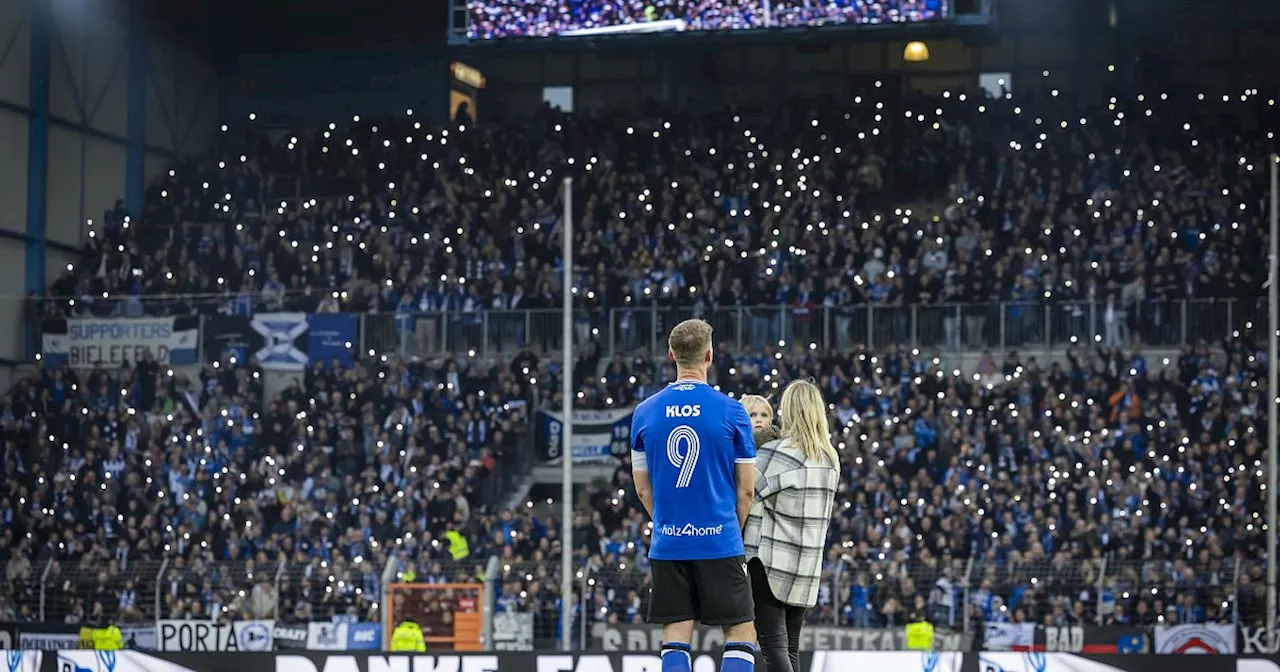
{"x": 738, "y": 657}
{"x": 676, "y": 658}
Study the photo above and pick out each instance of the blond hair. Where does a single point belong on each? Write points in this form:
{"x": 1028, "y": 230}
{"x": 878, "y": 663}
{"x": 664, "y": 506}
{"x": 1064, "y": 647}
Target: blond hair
{"x": 750, "y": 400}
{"x": 689, "y": 342}
{"x": 804, "y": 422}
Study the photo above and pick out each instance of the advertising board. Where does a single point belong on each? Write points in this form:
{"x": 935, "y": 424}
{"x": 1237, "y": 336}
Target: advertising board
{"x": 819, "y": 661}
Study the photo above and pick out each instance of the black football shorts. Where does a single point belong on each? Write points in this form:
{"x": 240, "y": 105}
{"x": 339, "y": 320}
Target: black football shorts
{"x": 712, "y": 592}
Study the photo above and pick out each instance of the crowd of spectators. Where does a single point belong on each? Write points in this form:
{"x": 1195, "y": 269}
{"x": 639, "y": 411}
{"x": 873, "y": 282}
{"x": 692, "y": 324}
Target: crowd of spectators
{"x": 786, "y": 14}
{"x": 1105, "y": 489}
{"x": 494, "y": 19}
{"x": 1101, "y": 488}
{"x": 1060, "y": 221}
{"x": 285, "y": 509}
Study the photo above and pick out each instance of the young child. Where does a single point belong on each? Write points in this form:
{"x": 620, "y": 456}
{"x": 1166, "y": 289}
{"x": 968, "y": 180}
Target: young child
{"x": 761, "y": 413}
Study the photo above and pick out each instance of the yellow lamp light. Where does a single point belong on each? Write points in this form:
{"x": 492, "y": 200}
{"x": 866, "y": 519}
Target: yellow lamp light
{"x": 916, "y": 52}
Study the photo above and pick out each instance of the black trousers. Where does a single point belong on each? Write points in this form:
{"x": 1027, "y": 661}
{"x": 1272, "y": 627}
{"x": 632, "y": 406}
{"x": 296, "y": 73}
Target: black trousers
{"x": 777, "y": 625}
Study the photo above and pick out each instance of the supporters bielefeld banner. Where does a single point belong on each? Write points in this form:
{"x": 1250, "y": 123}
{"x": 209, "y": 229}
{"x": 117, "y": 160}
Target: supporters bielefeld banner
{"x": 208, "y": 636}
{"x": 597, "y": 435}
{"x": 1199, "y": 638}
{"x": 88, "y": 342}
{"x": 606, "y": 637}
{"x": 282, "y": 341}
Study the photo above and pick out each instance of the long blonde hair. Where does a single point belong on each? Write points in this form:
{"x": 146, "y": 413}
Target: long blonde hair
{"x": 804, "y": 422}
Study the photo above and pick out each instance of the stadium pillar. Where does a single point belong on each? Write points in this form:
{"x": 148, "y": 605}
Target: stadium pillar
{"x": 566, "y": 435}
{"x": 1273, "y": 382}
{"x": 41, "y": 27}
{"x": 139, "y": 67}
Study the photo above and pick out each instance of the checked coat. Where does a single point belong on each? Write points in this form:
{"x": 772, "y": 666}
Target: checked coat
{"x": 787, "y": 525}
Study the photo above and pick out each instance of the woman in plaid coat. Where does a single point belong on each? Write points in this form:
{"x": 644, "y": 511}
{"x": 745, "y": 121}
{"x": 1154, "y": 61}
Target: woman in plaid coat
{"x": 786, "y": 530}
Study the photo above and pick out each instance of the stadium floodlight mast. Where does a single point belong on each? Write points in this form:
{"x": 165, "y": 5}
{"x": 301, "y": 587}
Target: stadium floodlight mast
{"x": 1273, "y": 309}
{"x": 566, "y": 422}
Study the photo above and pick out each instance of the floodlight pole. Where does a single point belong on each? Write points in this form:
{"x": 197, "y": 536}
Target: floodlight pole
{"x": 1273, "y": 389}
{"x": 566, "y": 434}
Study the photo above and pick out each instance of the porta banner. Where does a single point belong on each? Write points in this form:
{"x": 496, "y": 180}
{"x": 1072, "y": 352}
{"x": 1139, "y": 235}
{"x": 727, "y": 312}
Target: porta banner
{"x": 1197, "y": 638}
{"x": 212, "y": 636}
{"x": 87, "y": 342}
{"x": 282, "y": 341}
{"x": 606, "y": 637}
{"x": 597, "y": 435}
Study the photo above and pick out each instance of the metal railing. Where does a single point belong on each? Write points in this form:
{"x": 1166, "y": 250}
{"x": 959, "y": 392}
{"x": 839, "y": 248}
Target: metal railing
{"x": 960, "y": 594}
{"x": 952, "y": 327}
{"x": 867, "y": 593}
{"x": 144, "y": 590}
{"x": 943, "y": 327}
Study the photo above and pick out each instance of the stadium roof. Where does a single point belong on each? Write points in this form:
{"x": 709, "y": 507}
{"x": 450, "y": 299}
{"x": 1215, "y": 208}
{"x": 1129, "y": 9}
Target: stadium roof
{"x": 224, "y": 29}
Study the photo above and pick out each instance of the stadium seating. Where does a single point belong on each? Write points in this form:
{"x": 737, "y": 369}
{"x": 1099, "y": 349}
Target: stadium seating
{"x": 1094, "y": 490}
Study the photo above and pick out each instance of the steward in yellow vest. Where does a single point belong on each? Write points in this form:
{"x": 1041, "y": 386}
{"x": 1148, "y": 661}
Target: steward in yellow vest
{"x": 408, "y": 637}
{"x": 919, "y": 634}
{"x": 458, "y": 546}
{"x": 108, "y": 638}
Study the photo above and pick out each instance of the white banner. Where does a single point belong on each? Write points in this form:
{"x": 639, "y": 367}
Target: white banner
{"x": 1195, "y": 639}
{"x": 283, "y": 340}
{"x": 1009, "y": 636}
{"x": 1256, "y": 640}
{"x": 897, "y": 661}
{"x": 214, "y": 636}
{"x": 1042, "y": 662}
{"x": 23, "y": 661}
{"x": 637, "y": 638}
{"x": 393, "y": 663}
{"x": 114, "y": 661}
{"x": 87, "y": 342}
{"x": 512, "y": 631}
{"x": 326, "y": 636}
{"x": 823, "y": 661}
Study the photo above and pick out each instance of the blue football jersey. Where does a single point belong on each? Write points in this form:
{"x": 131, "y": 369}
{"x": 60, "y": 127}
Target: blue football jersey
{"x": 689, "y": 436}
